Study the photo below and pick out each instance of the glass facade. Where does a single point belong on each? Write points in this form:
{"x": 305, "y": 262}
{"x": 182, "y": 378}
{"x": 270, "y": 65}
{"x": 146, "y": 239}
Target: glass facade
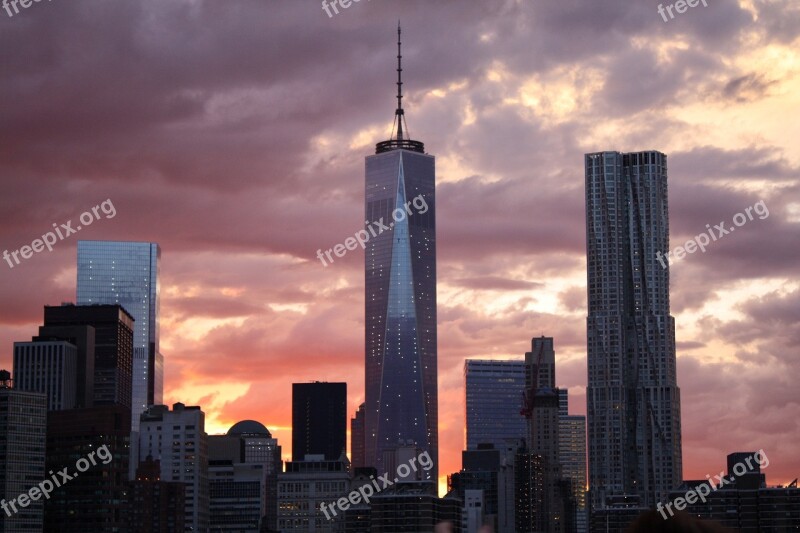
{"x": 127, "y": 273}
{"x": 401, "y": 375}
{"x": 493, "y": 400}
{"x": 633, "y": 401}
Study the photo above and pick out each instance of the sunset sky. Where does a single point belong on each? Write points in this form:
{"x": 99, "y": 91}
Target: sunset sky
{"x": 234, "y": 135}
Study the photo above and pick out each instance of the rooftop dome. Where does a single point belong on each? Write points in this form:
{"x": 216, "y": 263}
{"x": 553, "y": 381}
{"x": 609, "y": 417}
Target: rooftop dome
{"x": 249, "y": 427}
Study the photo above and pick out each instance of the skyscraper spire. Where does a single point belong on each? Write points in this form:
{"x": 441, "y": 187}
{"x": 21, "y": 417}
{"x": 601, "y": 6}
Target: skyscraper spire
{"x": 399, "y": 111}
{"x": 402, "y": 140}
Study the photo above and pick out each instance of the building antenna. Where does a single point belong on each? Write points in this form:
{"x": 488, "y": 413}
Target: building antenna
{"x": 399, "y": 113}
{"x": 402, "y": 141}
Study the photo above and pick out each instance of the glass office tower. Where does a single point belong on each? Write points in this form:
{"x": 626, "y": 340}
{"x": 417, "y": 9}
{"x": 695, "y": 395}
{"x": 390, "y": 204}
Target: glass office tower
{"x": 400, "y": 280}
{"x": 127, "y": 273}
{"x": 494, "y": 392}
{"x": 633, "y": 400}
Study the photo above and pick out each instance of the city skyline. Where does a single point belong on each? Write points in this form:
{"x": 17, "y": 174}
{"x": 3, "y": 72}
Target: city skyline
{"x": 241, "y": 182}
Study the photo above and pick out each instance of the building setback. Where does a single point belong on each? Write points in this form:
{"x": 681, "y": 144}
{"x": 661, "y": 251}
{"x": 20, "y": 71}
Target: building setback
{"x": 633, "y": 400}
{"x": 113, "y": 346}
{"x": 357, "y": 439}
{"x": 83, "y": 338}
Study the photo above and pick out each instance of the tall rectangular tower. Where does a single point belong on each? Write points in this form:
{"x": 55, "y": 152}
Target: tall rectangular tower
{"x": 357, "y": 439}
{"x": 178, "y": 439}
{"x": 319, "y": 420}
{"x": 633, "y": 400}
{"x": 541, "y": 409}
{"x": 401, "y": 399}
{"x": 127, "y": 273}
{"x": 494, "y": 392}
{"x": 23, "y": 425}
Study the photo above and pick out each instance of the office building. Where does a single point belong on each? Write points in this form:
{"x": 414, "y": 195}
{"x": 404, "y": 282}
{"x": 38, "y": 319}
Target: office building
{"x": 358, "y": 517}
{"x": 113, "y": 346}
{"x": 127, "y": 273}
{"x": 480, "y": 470}
{"x": 616, "y": 513}
{"x": 491, "y": 472}
{"x": 177, "y": 439}
{"x": 236, "y": 496}
{"x": 529, "y": 492}
{"x": 572, "y": 455}
{"x": 23, "y": 425}
{"x": 50, "y": 368}
{"x": 95, "y": 499}
{"x": 400, "y": 294}
{"x": 473, "y": 519}
{"x": 745, "y": 503}
{"x": 243, "y": 467}
{"x": 541, "y": 364}
{"x": 542, "y": 410}
{"x": 494, "y": 392}
{"x": 83, "y": 338}
{"x": 357, "y": 439}
{"x": 155, "y": 506}
{"x": 563, "y": 402}
{"x": 633, "y": 400}
{"x": 319, "y": 420}
{"x": 414, "y": 506}
{"x": 304, "y": 486}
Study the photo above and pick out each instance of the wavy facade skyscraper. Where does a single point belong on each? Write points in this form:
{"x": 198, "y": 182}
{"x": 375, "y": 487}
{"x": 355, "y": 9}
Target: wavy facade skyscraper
{"x": 633, "y": 400}
{"x": 401, "y": 401}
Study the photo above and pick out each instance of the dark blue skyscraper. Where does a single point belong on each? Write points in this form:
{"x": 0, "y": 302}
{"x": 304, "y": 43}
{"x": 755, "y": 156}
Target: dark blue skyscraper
{"x": 126, "y": 273}
{"x": 494, "y": 392}
{"x": 401, "y": 378}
